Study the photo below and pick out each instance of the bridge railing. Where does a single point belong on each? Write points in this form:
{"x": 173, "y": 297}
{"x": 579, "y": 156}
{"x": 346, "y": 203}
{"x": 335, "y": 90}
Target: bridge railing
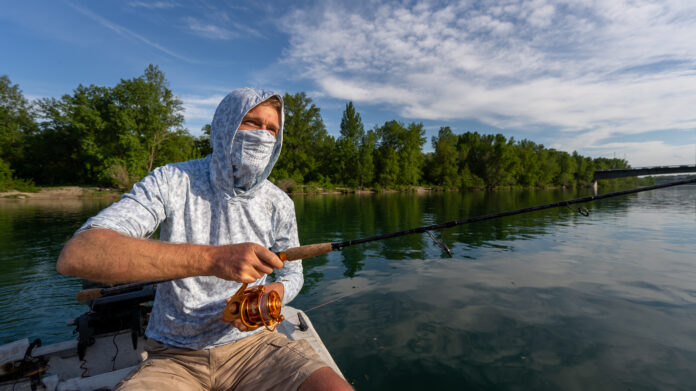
{"x": 655, "y": 170}
{"x": 646, "y": 168}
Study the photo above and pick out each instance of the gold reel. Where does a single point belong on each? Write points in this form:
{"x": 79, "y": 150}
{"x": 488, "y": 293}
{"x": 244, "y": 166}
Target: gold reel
{"x": 254, "y": 307}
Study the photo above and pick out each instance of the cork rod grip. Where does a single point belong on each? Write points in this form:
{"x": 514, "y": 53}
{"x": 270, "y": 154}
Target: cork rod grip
{"x": 307, "y": 251}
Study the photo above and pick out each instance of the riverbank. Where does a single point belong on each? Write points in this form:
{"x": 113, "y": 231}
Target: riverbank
{"x": 347, "y": 190}
{"x": 78, "y": 192}
{"x": 62, "y": 192}
{"x": 74, "y": 192}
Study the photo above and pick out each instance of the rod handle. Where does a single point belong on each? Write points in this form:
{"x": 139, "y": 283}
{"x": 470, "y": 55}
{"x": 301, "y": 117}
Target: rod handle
{"x": 89, "y": 294}
{"x": 306, "y": 251}
{"x": 291, "y": 254}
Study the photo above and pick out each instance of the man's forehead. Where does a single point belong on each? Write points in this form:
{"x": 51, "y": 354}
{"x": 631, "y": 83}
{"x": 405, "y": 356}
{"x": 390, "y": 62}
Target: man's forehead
{"x": 262, "y": 109}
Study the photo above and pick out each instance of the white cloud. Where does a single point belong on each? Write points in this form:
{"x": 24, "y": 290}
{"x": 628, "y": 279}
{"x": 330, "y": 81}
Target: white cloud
{"x": 209, "y": 30}
{"x": 200, "y": 108}
{"x": 599, "y": 68}
{"x": 212, "y": 30}
{"x": 153, "y": 4}
{"x": 649, "y": 153}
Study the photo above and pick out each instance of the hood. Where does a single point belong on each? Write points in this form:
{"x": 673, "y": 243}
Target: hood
{"x": 223, "y": 129}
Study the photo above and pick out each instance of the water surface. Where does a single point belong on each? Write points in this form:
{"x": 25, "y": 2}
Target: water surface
{"x": 547, "y": 300}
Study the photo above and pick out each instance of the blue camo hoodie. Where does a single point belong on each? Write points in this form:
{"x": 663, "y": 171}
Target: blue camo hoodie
{"x": 197, "y": 202}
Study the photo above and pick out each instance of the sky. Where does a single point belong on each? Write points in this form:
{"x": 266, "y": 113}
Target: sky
{"x": 605, "y": 78}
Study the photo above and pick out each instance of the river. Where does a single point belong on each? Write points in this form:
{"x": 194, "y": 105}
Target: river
{"x": 546, "y": 300}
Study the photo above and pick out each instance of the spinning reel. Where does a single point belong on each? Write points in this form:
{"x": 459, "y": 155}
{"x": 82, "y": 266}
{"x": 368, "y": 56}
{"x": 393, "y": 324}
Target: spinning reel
{"x": 254, "y": 307}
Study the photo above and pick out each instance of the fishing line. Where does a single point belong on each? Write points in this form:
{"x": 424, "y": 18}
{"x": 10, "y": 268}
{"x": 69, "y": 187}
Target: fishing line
{"x": 326, "y": 303}
{"x": 341, "y": 245}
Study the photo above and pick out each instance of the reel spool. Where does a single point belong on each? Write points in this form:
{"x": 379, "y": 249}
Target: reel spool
{"x": 254, "y": 307}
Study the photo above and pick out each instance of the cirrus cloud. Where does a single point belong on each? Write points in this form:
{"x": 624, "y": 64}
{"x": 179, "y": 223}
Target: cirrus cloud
{"x": 582, "y": 71}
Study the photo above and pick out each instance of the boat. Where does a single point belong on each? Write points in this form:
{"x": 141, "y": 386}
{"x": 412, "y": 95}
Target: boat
{"x": 110, "y": 344}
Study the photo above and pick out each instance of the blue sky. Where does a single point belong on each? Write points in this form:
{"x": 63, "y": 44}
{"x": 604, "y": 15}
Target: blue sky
{"x": 605, "y": 78}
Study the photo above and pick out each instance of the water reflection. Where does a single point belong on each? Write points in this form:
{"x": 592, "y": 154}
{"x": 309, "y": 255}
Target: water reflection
{"x": 345, "y": 217}
{"x": 489, "y": 325}
{"x": 35, "y": 301}
{"x": 546, "y": 300}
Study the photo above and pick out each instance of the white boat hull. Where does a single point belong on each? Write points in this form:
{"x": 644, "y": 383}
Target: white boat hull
{"x": 112, "y": 357}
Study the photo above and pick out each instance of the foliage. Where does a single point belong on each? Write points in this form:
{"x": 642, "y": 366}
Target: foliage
{"x": 366, "y": 169}
{"x": 398, "y": 157}
{"x": 307, "y": 147}
{"x": 107, "y": 135}
{"x": 5, "y": 176}
{"x": 348, "y": 147}
{"x": 9, "y": 182}
{"x": 443, "y": 165}
{"x": 17, "y": 123}
{"x": 202, "y": 143}
{"x": 114, "y": 135}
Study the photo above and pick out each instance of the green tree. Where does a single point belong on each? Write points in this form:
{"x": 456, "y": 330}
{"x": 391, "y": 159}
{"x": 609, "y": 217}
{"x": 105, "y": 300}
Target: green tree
{"x": 529, "y": 158}
{"x": 306, "y": 144}
{"x": 566, "y": 170}
{"x": 153, "y": 112}
{"x": 17, "y": 125}
{"x": 399, "y": 155}
{"x": 548, "y": 167}
{"x": 411, "y": 157}
{"x": 366, "y": 168}
{"x": 444, "y": 167}
{"x": 348, "y": 146}
{"x": 390, "y": 135}
{"x": 466, "y": 178}
{"x": 73, "y": 142}
{"x": 389, "y": 167}
{"x": 585, "y": 168}
{"x": 203, "y": 142}
{"x": 110, "y": 135}
{"x": 178, "y": 146}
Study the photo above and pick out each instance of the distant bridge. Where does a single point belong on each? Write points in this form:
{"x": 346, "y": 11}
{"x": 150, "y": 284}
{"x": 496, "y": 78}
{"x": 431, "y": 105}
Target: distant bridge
{"x": 638, "y": 171}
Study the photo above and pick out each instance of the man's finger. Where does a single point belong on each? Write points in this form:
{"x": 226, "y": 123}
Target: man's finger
{"x": 269, "y": 258}
{"x": 262, "y": 268}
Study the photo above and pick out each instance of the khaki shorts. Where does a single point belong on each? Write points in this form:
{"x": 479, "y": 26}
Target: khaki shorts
{"x": 264, "y": 361}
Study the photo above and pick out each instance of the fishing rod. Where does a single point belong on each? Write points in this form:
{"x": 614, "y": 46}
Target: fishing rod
{"x": 313, "y": 250}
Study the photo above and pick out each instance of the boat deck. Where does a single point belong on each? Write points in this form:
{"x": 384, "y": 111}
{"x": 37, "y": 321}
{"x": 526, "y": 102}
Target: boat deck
{"x": 112, "y": 357}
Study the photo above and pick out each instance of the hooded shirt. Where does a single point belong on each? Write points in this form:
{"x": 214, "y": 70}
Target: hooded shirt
{"x": 199, "y": 202}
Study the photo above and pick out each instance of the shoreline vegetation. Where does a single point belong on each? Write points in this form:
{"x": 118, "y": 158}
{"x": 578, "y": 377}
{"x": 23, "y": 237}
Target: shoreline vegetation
{"x": 109, "y": 137}
{"x": 93, "y": 192}
{"x": 61, "y": 193}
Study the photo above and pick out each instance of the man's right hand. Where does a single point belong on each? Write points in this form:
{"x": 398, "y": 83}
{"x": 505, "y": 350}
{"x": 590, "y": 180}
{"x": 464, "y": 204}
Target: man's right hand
{"x": 243, "y": 262}
{"x": 133, "y": 259}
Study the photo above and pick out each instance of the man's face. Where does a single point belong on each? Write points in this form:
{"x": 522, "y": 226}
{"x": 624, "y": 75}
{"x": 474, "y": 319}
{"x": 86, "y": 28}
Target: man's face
{"x": 263, "y": 116}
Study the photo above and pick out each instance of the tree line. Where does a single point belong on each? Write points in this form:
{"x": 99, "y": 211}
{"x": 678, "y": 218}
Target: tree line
{"x": 113, "y": 136}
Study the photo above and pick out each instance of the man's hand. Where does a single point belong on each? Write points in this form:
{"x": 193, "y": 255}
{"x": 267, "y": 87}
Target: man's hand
{"x": 243, "y": 262}
{"x": 274, "y": 286}
{"x": 132, "y": 259}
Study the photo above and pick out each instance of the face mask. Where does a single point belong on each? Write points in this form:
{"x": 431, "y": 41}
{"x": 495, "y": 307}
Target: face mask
{"x": 251, "y": 152}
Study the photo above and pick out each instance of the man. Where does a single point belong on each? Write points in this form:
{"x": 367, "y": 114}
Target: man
{"x": 221, "y": 220}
